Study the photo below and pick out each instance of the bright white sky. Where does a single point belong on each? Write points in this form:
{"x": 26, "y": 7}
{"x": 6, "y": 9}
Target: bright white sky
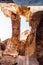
{"x": 6, "y": 26}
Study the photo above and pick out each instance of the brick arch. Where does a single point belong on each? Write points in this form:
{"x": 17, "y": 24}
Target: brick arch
{"x": 15, "y": 17}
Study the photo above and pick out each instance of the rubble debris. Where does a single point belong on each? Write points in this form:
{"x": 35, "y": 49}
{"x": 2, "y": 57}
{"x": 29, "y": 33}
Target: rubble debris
{"x": 7, "y": 60}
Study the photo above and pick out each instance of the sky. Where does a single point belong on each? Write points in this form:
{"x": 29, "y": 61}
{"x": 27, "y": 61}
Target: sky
{"x": 24, "y": 24}
{"x": 29, "y": 2}
{"x": 6, "y": 26}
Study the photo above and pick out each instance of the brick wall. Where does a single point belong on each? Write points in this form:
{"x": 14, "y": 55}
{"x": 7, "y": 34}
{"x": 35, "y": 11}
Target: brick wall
{"x": 15, "y": 25}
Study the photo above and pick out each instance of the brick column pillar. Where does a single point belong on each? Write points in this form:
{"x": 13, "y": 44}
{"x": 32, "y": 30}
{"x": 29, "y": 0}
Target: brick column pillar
{"x": 15, "y": 25}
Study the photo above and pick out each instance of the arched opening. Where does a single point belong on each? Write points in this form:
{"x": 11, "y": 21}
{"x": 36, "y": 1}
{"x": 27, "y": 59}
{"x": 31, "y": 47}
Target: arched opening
{"x": 24, "y": 28}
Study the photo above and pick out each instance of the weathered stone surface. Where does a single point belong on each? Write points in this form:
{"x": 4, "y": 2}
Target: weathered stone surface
{"x": 2, "y": 46}
{"x": 15, "y": 25}
{"x": 25, "y": 11}
{"x": 11, "y": 7}
{"x": 30, "y": 45}
{"x": 14, "y": 46}
{"x": 7, "y": 60}
{"x": 11, "y": 48}
{"x": 7, "y": 8}
{"x": 37, "y": 22}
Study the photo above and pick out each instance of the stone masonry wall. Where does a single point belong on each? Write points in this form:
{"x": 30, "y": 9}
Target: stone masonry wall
{"x": 15, "y": 25}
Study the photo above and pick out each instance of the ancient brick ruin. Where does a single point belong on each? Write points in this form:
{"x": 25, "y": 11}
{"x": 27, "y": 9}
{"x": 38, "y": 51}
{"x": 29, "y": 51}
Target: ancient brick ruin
{"x": 15, "y": 25}
{"x": 14, "y": 44}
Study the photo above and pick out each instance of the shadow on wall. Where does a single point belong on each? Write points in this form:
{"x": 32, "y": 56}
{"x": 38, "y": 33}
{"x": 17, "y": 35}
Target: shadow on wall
{"x": 37, "y": 22}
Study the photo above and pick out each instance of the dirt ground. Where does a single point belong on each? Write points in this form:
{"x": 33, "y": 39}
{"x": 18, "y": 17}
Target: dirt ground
{"x": 20, "y": 60}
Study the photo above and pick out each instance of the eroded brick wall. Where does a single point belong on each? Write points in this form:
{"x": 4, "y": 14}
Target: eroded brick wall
{"x": 15, "y": 25}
